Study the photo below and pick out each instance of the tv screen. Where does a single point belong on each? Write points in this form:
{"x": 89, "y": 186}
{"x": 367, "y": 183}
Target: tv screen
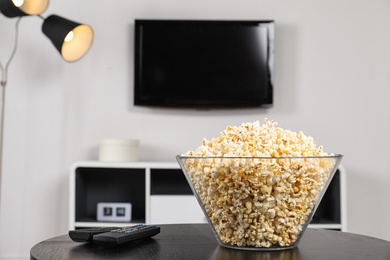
{"x": 203, "y": 63}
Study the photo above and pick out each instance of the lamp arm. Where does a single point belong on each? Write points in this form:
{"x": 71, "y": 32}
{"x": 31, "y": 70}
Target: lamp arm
{"x": 3, "y": 77}
{"x": 4, "y": 70}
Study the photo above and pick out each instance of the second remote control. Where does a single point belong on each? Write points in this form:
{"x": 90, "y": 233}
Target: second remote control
{"x": 125, "y": 235}
{"x": 86, "y": 234}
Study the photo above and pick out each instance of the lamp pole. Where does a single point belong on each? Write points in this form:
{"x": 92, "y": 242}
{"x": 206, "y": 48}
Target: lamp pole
{"x": 3, "y": 84}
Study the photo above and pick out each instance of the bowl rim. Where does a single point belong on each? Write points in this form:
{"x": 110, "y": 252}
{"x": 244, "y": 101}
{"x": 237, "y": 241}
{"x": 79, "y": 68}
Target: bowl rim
{"x": 261, "y": 157}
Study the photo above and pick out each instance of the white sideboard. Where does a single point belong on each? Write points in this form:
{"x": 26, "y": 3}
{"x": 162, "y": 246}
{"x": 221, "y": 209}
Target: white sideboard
{"x": 160, "y": 194}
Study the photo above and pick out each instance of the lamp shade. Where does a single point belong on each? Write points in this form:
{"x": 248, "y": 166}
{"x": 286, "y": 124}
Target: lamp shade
{"x": 71, "y": 39}
{"x": 15, "y": 8}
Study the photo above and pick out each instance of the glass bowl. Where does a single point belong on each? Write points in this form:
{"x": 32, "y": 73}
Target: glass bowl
{"x": 259, "y": 203}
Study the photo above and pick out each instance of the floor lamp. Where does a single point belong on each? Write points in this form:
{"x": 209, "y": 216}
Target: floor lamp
{"x": 71, "y": 39}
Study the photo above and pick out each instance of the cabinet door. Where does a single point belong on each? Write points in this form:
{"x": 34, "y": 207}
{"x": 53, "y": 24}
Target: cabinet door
{"x": 171, "y": 209}
{"x": 172, "y": 200}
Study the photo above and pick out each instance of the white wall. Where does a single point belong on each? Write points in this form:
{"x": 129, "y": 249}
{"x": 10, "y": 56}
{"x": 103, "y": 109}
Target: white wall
{"x": 332, "y": 82}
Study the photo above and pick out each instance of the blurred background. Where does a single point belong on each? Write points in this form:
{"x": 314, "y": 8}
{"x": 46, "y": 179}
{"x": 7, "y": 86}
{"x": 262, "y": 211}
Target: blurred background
{"x": 332, "y": 81}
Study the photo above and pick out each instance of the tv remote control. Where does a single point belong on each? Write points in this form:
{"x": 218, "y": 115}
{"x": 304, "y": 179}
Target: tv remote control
{"x": 125, "y": 235}
{"x": 86, "y": 234}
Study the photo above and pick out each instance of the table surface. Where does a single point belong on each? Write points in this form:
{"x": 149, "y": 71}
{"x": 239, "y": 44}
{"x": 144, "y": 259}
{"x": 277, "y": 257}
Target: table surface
{"x": 197, "y": 241}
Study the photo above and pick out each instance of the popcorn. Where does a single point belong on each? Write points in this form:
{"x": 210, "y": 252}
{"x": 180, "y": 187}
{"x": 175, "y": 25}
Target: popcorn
{"x": 255, "y": 185}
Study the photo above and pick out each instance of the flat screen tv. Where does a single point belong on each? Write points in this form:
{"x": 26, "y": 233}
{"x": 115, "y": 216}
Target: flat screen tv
{"x": 203, "y": 63}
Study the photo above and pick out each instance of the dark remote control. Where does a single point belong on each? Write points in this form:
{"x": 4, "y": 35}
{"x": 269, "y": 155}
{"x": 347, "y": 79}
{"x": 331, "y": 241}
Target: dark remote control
{"x": 125, "y": 235}
{"x": 86, "y": 234}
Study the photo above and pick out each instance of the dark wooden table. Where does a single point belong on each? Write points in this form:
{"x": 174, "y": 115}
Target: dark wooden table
{"x": 197, "y": 241}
